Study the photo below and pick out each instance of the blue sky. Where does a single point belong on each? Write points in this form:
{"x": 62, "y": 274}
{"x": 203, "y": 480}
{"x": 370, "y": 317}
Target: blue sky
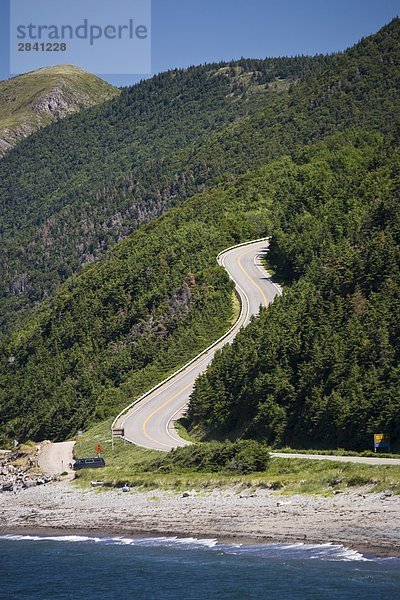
{"x": 187, "y": 32}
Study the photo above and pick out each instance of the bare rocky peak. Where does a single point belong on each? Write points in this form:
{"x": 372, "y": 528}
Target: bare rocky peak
{"x": 61, "y": 101}
{"x": 32, "y": 101}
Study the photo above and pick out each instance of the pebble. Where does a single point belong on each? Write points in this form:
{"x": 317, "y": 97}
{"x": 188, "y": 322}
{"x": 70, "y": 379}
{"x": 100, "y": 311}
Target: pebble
{"x": 15, "y": 479}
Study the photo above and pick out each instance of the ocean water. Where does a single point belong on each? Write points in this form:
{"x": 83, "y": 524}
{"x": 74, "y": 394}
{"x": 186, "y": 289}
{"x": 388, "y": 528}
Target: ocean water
{"x": 40, "y": 567}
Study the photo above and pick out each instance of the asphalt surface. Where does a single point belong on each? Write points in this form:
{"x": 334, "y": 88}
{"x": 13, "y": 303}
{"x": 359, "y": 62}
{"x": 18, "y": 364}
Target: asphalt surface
{"x": 149, "y": 423}
{"x": 363, "y": 460}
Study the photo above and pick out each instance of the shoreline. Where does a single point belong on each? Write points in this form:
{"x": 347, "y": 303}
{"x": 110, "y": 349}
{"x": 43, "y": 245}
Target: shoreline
{"x": 366, "y": 523}
{"x": 368, "y": 551}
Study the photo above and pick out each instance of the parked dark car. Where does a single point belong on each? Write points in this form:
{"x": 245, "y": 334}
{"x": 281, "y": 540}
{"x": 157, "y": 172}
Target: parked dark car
{"x": 89, "y": 463}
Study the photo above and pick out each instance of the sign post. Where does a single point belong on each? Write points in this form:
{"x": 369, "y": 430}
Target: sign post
{"x": 99, "y": 449}
{"x": 117, "y": 432}
{"x": 382, "y": 441}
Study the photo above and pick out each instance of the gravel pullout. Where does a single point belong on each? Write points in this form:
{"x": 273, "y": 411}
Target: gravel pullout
{"x": 56, "y": 458}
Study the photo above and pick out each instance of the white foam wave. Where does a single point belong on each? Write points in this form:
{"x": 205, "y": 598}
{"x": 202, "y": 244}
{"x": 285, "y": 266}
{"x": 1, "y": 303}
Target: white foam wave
{"x": 301, "y": 551}
{"x": 167, "y": 541}
{"x": 156, "y": 541}
{"x": 53, "y": 538}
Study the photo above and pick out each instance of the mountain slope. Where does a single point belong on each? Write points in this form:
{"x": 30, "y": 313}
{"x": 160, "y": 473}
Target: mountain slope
{"x": 320, "y": 368}
{"x": 130, "y": 319}
{"x": 122, "y": 164}
{"x": 357, "y": 88}
{"x": 36, "y": 99}
{"x": 164, "y": 140}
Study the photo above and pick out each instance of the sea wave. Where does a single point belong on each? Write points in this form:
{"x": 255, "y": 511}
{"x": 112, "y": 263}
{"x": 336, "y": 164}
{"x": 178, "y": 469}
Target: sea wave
{"x": 297, "y": 551}
{"x": 301, "y": 551}
{"x": 151, "y": 541}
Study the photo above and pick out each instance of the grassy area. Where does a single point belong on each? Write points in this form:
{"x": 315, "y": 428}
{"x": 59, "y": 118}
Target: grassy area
{"x": 236, "y": 306}
{"x": 180, "y": 427}
{"x": 24, "y": 456}
{"x": 19, "y": 94}
{"x": 23, "y": 453}
{"x": 122, "y": 461}
{"x": 133, "y": 465}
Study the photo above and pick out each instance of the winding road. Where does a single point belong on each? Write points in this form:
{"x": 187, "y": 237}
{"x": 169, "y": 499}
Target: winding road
{"x": 149, "y": 421}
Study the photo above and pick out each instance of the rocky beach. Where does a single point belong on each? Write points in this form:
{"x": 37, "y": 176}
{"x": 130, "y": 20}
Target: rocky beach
{"x": 22, "y": 474}
{"x": 367, "y": 522}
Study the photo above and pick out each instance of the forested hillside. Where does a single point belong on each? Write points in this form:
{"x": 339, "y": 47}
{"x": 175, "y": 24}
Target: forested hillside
{"x": 358, "y": 88}
{"x": 328, "y": 350}
{"x": 320, "y": 368}
{"x": 74, "y": 189}
{"x": 127, "y": 321}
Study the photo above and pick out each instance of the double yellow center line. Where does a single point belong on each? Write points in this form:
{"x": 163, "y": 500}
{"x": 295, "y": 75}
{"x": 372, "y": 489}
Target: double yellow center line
{"x": 264, "y": 297}
{"x": 158, "y": 410}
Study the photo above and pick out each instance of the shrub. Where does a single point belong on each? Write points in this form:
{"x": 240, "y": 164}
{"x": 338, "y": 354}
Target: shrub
{"x": 242, "y": 456}
{"x": 358, "y": 480}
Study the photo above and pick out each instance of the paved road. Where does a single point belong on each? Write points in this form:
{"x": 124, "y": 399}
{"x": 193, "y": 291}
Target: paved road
{"x": 149, "y": 423}
{"x": 364, "y": 460}
{"x": 55, "y": 458}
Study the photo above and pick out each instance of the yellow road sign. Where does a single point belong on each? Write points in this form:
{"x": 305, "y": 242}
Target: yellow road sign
{"x": 381, "y": 440}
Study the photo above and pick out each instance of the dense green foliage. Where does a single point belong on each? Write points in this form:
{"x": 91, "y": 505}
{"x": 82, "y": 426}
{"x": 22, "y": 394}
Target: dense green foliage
{"x": 358, "y": 88}
{"x": 242, "y": 456}
{"x": 320, "y": 368}
{"x": 125, "y": 322}
{"x": 70, "y": 192}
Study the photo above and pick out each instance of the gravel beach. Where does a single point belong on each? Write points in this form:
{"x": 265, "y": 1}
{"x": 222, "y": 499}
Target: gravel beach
{"x": 369, "y": 523}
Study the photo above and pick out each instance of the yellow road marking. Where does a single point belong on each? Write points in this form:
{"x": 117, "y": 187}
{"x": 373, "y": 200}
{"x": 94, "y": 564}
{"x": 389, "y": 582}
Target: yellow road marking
{"x": 266, "y": 303}
{"x": 160, "y": 408}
